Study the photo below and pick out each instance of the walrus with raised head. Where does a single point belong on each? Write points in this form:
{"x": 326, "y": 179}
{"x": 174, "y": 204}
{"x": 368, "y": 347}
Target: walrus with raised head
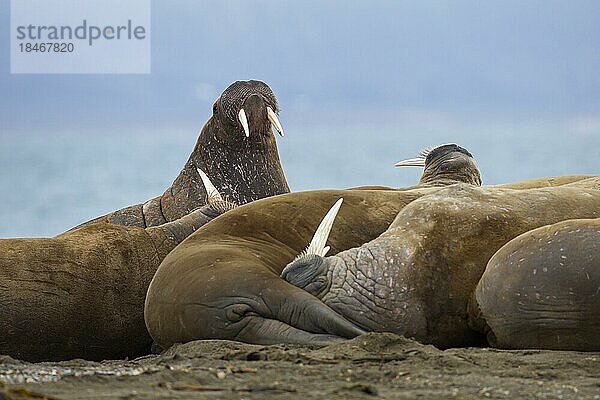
{"x": 542, "y": 290}
{"x": 236, "y": 148}
{"x": 224, "y": 281}
{"x": 81, "y": 294}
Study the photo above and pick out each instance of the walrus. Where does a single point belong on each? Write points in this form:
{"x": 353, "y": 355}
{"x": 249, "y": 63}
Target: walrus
{"x": 223, "y": 281}
{"x": 416, "y": 278}
{"x": 81, "y": 294}
{"x": 236, "y": 148}
{"x": 542, "y": 290}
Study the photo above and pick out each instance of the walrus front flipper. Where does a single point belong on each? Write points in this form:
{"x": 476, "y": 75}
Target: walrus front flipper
{"x": 288, "y": 314}
{"x": 271, "y": 331}
{"x": 302, "y": 310}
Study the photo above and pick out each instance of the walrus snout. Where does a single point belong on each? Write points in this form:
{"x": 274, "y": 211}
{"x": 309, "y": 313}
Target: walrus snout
{"x": 253, "y": 116}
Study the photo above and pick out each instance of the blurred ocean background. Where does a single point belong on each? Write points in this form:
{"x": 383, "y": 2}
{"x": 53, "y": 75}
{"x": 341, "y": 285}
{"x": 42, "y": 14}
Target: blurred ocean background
{"x": 361, "y": 85}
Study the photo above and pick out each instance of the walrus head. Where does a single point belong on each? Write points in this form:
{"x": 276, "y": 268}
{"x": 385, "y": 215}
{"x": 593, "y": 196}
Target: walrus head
{"x": 236, "y": 148}
{"x": 444, "y": 165}
{"x": 247, "y": 108}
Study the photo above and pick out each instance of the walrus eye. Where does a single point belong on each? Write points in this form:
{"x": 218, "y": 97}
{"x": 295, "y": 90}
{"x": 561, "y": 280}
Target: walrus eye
{"x": 444, "y": 167}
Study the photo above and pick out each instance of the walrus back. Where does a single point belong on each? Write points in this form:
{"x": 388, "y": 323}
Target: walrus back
{"x": 69, "y": 296}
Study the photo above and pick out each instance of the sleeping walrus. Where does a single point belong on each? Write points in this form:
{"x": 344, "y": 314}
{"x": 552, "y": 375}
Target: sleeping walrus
{"x": 223, "y": 281}
{"x": 417, "y": 278}
{"x": 542, "y": 290}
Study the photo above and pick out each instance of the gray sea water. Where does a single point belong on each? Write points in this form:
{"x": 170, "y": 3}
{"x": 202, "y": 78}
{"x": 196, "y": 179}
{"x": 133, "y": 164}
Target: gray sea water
{"x": 51, "y": 182}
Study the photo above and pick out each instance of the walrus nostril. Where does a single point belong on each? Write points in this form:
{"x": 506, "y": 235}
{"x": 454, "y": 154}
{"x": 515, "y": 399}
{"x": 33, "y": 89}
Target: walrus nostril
{"x": 254, "y": 101}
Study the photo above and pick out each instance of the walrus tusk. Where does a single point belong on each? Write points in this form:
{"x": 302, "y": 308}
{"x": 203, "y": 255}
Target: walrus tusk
{"x": 319, "y": 240}
{"x": 418, "y": 161}
{"x": 411, "y": 162}
{"x": 211, "y": 191}
{"x": 274, "y": 120}
{"x": 244, "y": 121}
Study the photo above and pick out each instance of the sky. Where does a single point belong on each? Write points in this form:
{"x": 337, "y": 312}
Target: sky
{"x": 361, "y": 85}
{"x": 332, "y": 60}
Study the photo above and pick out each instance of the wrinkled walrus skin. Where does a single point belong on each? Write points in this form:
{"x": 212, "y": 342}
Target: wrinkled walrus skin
{"x": 242, "y": 168}
{"x": 542, "y": 289}
{"x": 249, "y": 313}
{"x": 416, "y": 279}
{"x": 81, "y": 294}
{"x": 223, "y": 281}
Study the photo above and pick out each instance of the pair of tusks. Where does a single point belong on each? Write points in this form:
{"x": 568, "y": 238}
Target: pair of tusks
{"x": 270, "y": 114}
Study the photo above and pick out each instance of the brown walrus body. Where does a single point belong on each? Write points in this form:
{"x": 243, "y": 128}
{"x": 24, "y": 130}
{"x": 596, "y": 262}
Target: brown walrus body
{"x": 81, "y": 294}
{"x": 243, "y": 167}
{"x": 542, "y": 289}
{"x": 223, "y": 282}
{"x": 416, "y": 278}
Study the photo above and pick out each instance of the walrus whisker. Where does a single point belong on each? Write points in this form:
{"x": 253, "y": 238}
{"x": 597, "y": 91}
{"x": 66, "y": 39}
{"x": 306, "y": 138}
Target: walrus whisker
{"x": 425, "y": 152}
{"x": 244, "y": 121}
{"x": 221, "y": 207}
{"x": 318, "y": 243}
{"x": 274, "y": 120}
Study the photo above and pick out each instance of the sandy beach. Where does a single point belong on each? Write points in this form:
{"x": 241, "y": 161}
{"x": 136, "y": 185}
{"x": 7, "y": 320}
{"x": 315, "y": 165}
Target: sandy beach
{"x": 370, "y": 366}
